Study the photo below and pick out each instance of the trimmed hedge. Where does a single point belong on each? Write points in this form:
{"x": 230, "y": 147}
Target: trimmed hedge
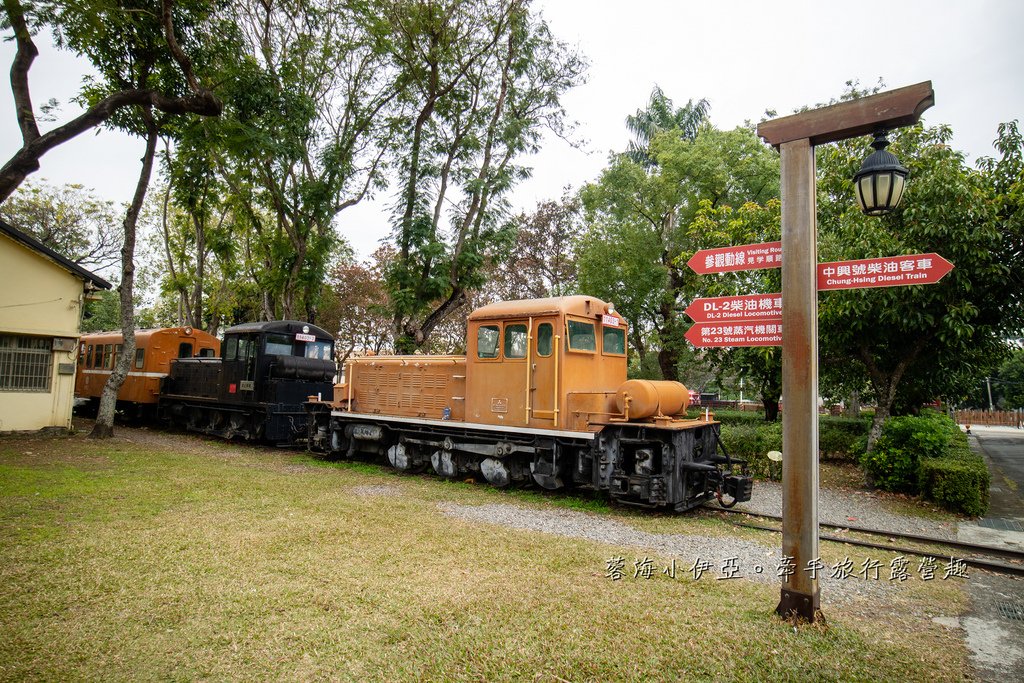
{"x": 959, "y": 481}
{"x": 751, "y": 441}
{"x": 929, "y": 455}
{"x": 748, "y": 436}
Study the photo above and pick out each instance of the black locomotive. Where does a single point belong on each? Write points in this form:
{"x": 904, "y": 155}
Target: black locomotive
{"x": 258, "y": 388}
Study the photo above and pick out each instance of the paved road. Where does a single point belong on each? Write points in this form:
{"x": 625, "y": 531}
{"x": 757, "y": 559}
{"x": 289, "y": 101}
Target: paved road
{"x": 1004, "y": 448}
{"x": 994, "y": 637}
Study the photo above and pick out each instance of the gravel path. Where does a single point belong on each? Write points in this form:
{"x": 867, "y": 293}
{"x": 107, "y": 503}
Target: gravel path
{"x": 848, "y": 507}
{"x": 754, "y": 561}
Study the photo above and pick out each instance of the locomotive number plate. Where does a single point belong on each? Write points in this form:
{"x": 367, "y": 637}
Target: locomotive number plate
{"x": 499, "y": 405}
{"x": 247, "y": 385}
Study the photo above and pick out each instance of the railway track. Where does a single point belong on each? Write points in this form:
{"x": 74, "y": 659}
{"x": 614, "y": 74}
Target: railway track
{"x": 980, "y": 555}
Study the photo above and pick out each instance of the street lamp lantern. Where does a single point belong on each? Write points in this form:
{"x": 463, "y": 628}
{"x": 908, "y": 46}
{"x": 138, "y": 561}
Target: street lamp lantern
{"x": 880, "y": 181}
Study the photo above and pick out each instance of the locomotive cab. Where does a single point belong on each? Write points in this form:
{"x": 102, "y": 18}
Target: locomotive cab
{"x": 257, "y": 356}
{"x": 258, "y": 388}
{"x": 544, "y": 363}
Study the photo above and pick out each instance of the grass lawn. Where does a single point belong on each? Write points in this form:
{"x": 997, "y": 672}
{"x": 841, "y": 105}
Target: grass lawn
{"x": 160, "y": 556}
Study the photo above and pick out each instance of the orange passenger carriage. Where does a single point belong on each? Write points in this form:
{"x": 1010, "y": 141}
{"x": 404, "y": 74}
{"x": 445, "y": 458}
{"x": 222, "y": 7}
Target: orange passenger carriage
{"x": 154, "y": 351}
{"x": 542, "y": 396}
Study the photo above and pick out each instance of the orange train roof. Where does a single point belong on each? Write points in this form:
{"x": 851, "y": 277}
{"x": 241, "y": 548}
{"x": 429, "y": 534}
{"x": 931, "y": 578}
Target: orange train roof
{"x": 579, "y": 305}
{"x": 143, "y": 334}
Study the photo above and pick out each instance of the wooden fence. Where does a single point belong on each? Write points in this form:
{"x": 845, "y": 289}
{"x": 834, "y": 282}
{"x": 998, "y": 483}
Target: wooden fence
{"x": 1002, "y": 418}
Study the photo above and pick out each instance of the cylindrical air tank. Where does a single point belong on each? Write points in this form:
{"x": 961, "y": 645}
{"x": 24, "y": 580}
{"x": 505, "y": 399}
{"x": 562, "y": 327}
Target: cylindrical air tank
{"x": 648, "y": 398}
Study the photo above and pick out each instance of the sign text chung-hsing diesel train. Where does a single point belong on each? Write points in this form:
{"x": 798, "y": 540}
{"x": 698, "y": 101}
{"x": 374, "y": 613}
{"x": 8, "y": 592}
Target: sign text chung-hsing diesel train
{"x": 541, "y": 396}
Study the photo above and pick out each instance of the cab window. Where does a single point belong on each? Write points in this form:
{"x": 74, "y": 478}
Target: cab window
{"x": 185, "y": 350}
{"x": 581, "y": 336}
{"x": 487, "y": 341}
{"x": 231, "y": 348}
{"x": 279, "y": 345}
{"x": 318, "y": 349}
{"x": 88, "y": 356}
{"x": 614, "y": 341}
{"x": 545, "y": 332}
{"x": 108, "y": 356}
{"x": 246, "y": 348}
{"x": 140, "y": 358}
{"x": 515, "y": 341}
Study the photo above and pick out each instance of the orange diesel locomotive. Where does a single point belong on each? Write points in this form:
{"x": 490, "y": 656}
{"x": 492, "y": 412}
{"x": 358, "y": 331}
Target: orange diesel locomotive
{"x": 541, "y": 396}
{"x": 154, "y": 350}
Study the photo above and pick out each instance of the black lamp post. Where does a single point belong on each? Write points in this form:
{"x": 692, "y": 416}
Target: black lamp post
{"x": 880, "y": 180}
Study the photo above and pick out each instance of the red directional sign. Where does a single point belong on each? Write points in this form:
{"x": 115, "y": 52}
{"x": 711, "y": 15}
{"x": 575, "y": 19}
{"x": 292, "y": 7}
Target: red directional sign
{"x": 891, "y": 271}
{"x": 736, "y": 308}
{"x": 732, "y": 259}
{"x": 744, "y": 333}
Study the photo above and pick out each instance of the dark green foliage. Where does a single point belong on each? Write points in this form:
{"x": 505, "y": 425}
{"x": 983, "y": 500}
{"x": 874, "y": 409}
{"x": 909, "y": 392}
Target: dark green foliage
{"x": 959, "y": 481}
{"x": 893, "y": 465}
{"x": 929, "y": 455}
{"x": 842, "y": 438}
{"x": 751, "y": 441}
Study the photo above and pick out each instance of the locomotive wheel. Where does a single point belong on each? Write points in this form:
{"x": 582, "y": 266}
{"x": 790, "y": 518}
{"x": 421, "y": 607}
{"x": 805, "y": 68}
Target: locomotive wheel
{"x": 443, "y": 464}
{"x": 338, "y": 443}
{"x": 399, "y": 458}
{"x": 495, "y": 472}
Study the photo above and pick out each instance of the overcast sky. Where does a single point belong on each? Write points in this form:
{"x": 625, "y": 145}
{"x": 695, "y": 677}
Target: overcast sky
{"x": 745, "y": 57}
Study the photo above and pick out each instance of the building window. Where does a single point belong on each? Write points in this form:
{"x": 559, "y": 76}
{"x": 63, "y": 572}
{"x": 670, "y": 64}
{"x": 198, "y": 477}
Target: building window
{"x": 26, "y": 363}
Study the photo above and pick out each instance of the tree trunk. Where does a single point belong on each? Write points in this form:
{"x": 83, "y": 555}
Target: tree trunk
{"x": 104, "y": 427}
{"x": 771, "y": 408}
{"x": 853, "y": 405}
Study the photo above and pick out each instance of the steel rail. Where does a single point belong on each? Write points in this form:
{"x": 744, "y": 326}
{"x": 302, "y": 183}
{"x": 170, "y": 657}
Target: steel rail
{"x": 1008, "y": 553}
{"x": 977, "y": 562}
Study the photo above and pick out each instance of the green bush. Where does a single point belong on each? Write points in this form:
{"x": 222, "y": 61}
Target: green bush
{"x": 842, "y": 438}
{"x": 748, "y": 436}
{"x": 959, "y": 481}
{"x": 905, "y": 442}
{"x": 891, "y": 468}
{"x": 751, "y": 441}
{"x": 929, "y": 455}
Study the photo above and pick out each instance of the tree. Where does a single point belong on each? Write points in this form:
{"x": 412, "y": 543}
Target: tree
{"x": 644, "y": 226}
{"x": 662, "y": 115}
{"x": 1009, "y": 383}
{"x": 71, "y": 220}
{"x": 139, "y": 56}
{"x": 97, "y": 30}
{"x": 542, "y": 262}
{"x": 917, "y": 343}
{"x": 355, "y": 307}
{"x": 482, "y": 79}
{"x": 311, "y": 112}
